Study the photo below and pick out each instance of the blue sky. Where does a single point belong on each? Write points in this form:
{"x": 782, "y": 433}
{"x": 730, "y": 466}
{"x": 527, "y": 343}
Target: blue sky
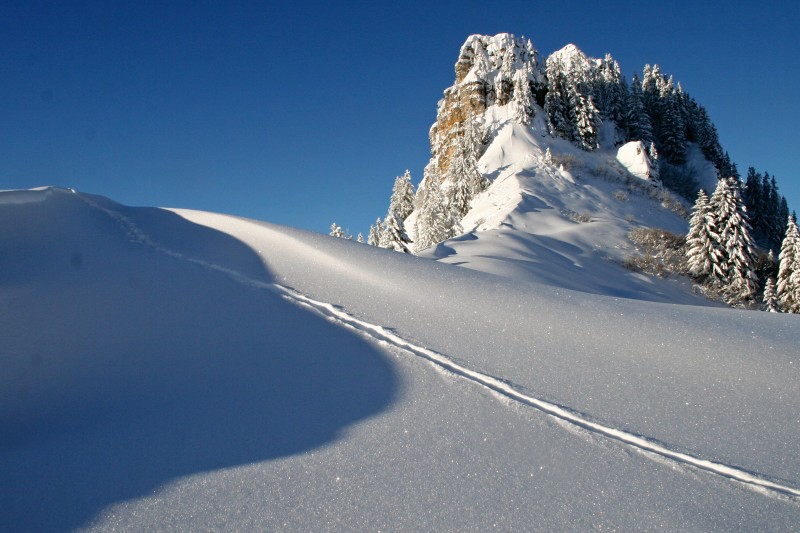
{"x": 304, "y": 115}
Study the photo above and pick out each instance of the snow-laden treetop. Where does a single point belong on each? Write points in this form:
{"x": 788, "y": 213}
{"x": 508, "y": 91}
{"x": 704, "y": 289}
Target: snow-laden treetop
{"x": 491, "y": 59}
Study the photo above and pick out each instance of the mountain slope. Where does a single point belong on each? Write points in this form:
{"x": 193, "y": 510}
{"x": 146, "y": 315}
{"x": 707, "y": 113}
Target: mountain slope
{"x": 564, "y": 190}
{"x": 187, "y": 370}
{"x": 562, "y": 222}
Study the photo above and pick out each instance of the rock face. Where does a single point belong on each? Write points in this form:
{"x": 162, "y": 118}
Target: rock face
{"x": 485, "y": 72}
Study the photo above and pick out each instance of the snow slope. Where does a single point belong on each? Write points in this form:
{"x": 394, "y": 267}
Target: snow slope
{"x": 565, "y": 221}
{"x": 184, "y": 370}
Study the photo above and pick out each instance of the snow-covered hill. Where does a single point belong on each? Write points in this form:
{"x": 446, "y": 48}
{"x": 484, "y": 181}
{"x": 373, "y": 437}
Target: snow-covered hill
{"x": 181, "y": 370}
{"x": 552, "y": 213}
{"x": 563, "y": 219}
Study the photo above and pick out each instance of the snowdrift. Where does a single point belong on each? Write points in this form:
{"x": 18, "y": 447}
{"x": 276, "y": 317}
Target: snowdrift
{"x": 185, "y": 370}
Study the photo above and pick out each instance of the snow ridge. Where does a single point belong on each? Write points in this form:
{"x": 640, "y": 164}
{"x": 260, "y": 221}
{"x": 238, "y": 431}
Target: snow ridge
{"x": 441, "y": 361}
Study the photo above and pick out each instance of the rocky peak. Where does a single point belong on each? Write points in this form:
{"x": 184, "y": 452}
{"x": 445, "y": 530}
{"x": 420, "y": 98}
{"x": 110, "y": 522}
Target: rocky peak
{"x": 485, "y": 73}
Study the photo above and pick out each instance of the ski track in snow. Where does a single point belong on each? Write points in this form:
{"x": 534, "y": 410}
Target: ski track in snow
{"x": 440, "y": 361}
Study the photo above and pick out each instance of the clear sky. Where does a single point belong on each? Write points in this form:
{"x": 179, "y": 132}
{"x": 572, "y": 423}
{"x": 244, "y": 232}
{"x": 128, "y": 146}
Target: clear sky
{"x": 303, "y": 115}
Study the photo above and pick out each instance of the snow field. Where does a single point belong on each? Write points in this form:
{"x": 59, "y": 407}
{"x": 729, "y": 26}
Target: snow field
{"x": 412, "y": 451}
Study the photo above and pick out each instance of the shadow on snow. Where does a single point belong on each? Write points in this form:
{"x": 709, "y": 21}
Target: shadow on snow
{"x": 127, "y": 369}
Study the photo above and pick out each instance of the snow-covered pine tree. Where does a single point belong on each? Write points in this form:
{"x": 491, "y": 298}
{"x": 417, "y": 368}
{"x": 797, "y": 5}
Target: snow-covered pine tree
{"x": 505, "y": 77}
{"x": 690, "y": 115}
{"x": 360, "y": 238}
{"x": 770, "y": 299}
{"x": 704, "y": 254}
{"x": 475, "y": 139}
{"x": 464, "y": 179}
{"x": 708, "y": 139}
{"x": 651, "y": 78}
{"x": 612, "y": 92}
{"x": 433, "y": 223}
{"x": 394, "y": 235}
{"x": 672, "y": 132}
{"x": 336, "y": 231}
{"x": 401, "y": 202}
{"x": 789, "y": 269}
{"x": 585, "y": 114}
{"x": 587, "y": 121}
{"x": 652, "y": 153}
{"x": 741, "y": 282}
{"x": 777, "y": 212}
{"x": 522, "y": 100}
{"x": 556, "y": 104}
{"x": 756, "y": 205}
{"x": 728, "y": 167}
{"x": 375, "y": 232}
{"x": 460, "y": 191}
{"x": 638, "y": 121}
{"x": 535, "y": 72}
{"x": 685, "y": 106}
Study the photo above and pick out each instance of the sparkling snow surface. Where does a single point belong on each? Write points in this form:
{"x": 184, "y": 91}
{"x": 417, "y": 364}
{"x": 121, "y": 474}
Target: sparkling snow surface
{"x": 180, "y": 370}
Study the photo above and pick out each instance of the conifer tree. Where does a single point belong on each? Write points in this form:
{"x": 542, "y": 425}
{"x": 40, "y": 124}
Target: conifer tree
{"x": 789, "y": 269}
{"x": 704, "y": 254}
{"x": 671, "y": 132}
{"x": 523, "y": 99}
{"x": 475, "y": 139}
{"x": 650, "y": 96}
{"x": 587, "y": 121}
{"x": 464, "y": 179}
{"x": 336, "y": 231}
{"x": 505, "y": 78}
{"x": 375, "y": 232}
{"x": 776, "y": 215}
{"x": 394, "y": 235}
{"x": 734, "y": 238}
{"x": 639, "y": 127}
{"x": 431, "y": 169}
{"x": 756, "y": 205}
{"x": 460, "y": 193}
{"x": 433, "y": 221}
{"x": 770, "y": 300}
{"x": 535, "y": 73}
{"x": 360, "y": 238}
{"x": 556, "y": 102}
{"x": 708, "y": 139}
{"x": 401, "y": 202}
{"x": 652, "y": 154}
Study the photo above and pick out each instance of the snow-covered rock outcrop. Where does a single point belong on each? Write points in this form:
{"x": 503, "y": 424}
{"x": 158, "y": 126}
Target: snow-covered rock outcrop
{"x": 633, "y": 156}
{"x": 558, "y": 207}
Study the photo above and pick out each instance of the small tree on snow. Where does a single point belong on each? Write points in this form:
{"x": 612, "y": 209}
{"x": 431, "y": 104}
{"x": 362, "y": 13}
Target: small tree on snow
{"x": 434, "y": 219}
{"x": 789, "y": 270}
{"x": 402, "y": 201}
{"x": 401, "y": 204}
{"x": 336, "y": 231}
{"x": 360, "y": 238}
{"x": 770, "y": 300}
{"x": 463, "y": 177}
{"x": 394, "y": 235}
{"x": 375, "y": 232}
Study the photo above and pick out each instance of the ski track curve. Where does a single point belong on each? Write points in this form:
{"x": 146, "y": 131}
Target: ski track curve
{"x": 498, "y": 386}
